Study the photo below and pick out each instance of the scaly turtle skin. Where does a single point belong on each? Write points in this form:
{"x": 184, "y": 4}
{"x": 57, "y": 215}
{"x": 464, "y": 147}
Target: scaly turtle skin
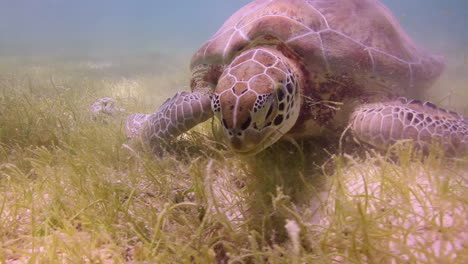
{"x": 308, "y": 68}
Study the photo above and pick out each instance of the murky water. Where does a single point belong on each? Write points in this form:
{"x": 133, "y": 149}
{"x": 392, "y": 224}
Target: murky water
{"x": 95, "y": 27}
{"x": 108, "y": 28}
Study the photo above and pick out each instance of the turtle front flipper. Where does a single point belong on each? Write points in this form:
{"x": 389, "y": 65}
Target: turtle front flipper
{"x": 174, "y": 117}
{"x": 383, "y": 124}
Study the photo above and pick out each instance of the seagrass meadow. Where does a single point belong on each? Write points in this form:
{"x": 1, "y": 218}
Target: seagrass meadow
{"x": 74, "y": 189}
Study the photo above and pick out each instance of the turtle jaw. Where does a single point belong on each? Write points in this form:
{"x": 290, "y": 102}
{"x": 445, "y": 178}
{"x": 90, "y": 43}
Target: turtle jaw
{"x": 252, "y": 142}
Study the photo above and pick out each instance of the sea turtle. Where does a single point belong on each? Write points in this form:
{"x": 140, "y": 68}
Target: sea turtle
{"x": 308, "y": 68}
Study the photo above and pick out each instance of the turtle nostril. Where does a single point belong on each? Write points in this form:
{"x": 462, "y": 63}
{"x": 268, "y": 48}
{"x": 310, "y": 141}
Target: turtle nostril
{"x": 234, "y": 133}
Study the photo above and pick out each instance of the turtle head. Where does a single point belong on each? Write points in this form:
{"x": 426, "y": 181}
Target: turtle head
{"x": 257, "y": 100}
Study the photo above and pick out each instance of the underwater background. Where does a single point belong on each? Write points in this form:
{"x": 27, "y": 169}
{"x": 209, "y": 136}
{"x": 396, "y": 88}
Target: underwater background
{"x": 145, "y": 36}
{"x": 58, "y": 27}
{"x": 74, "y": 189}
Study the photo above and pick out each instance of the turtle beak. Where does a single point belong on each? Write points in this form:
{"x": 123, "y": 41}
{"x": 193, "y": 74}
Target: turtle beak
{"x": 245, "y": 142}
{"x": 236, "y": 144}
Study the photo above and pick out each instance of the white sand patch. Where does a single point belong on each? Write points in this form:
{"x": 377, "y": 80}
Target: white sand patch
{"x": 415, "y": 214}
{"x": 224, "y": 195}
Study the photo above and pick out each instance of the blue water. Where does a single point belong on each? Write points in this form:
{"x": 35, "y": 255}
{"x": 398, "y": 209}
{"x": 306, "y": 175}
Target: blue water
{"x": 96, "y": 27}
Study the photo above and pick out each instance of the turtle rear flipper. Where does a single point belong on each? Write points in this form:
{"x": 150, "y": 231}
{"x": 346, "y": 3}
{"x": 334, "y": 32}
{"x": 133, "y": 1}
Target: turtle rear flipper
{"x": 175, "y": 116}
{"x": 383, "y": 124}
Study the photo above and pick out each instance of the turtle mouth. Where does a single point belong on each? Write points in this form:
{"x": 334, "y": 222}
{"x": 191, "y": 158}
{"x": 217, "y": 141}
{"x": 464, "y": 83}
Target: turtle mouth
{"x": 248, "y": 152}
{"x": 267, "y": 140}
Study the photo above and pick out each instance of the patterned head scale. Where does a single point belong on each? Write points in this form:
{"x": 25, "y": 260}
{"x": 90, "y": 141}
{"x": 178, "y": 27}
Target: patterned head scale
{"x": 257, "y": 100}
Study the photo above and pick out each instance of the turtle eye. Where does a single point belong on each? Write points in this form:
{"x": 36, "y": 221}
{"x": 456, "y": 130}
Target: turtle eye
{"x": 264, "y": 109}
{"x": 265, "y": 115}
{"x": 280, "y": 94}
{"x": 246, "y": 124}
{"x": 270, "y": 110}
